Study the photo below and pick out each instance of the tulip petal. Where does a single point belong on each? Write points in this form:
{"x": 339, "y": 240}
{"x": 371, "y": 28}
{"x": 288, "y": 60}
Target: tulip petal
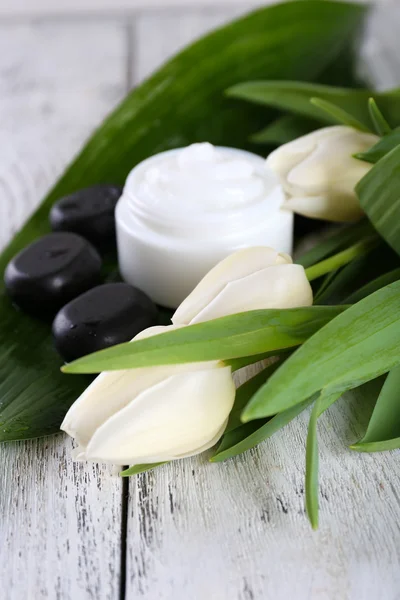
{"x": 113, "y": 390}
{"x": 205, "y": 446}
{"x": 108, "y": 393}
{"x": 281, "y": 286}
{"x": 319, "y": 173}
{"x": 285, "y": 158}
{"x": 237, "y": 265}
{"x": 182, "y": 414}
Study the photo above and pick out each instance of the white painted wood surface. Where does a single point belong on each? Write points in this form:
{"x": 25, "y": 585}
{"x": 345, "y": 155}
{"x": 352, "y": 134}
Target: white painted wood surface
{"x": 60, "y": 522}
{"x": 217, "y": 532}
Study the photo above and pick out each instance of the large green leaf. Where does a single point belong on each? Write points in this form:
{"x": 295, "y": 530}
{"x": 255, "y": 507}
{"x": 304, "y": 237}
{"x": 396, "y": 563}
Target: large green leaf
{"x": 357, "y": 346}
{"x": 181, "y": 103}
{"x": 253, "y": 332}
{"x": 295, "y": 96}
{"x": 383, "y": 431}
{"x": 379, "y": 195}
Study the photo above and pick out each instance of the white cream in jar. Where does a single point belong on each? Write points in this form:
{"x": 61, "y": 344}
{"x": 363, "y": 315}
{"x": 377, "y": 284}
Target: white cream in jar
{"x": 184, "y": 210}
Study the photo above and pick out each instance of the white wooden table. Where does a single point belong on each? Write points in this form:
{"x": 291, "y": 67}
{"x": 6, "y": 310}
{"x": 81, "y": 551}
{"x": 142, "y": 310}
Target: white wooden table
{"x": 190, "y": 530}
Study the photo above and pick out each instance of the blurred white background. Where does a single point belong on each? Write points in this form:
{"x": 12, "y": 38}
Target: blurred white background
{"x": 48, "y": 7}
{"x": 40, "y": 7}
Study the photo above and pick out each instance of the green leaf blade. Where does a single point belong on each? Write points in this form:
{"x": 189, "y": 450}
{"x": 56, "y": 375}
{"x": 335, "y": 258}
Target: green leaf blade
{"x": 295, "y": 97}
{"x": 384, "y": 446}
{"x": 137, "y": 469}
{"x": 381, "y": 125}
{"x": 245, "y": 391}
{"x": 311, "y": 487}
{"x": 378, "y": 192}
{"x": 244, "y": 334}
{"x": 383, "y": 432}
{"x": 345, "y": 257}
{"x": 322, "y": 403}
{"x": 356, "y": 346}
{"x": 245, "y": 361}
{"x": 339, "y": 114}
{"x": 359, "y": 278}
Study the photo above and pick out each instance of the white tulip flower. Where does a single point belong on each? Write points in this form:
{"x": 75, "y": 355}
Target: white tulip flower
{"x": 163, "y": 413}
{"x": 152, "y": 414}
{"x": 319, "y": 173}
{"x": 250, "y": 279}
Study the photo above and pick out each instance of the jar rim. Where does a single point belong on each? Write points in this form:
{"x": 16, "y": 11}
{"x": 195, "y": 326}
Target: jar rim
{"x": 188, "y": 222}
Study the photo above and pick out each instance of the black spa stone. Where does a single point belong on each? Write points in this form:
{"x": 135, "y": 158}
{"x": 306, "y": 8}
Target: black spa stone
{"x": 104, "y": 316}
{"x": 52, "y": 271}
{"x": 88, "y": 212}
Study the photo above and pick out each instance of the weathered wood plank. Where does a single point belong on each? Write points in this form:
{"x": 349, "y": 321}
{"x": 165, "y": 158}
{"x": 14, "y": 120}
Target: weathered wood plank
{"x": 60, "y": 522}
{"x": 238, "y": 530}
{"x": 160, "y": 35}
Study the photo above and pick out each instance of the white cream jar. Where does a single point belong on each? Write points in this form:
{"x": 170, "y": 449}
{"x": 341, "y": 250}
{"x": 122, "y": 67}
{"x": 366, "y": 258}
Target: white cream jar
{"x": 184, "y": 210}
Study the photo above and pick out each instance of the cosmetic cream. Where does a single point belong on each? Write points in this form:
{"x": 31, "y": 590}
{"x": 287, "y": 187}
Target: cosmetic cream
{"x": 184, "y": 210}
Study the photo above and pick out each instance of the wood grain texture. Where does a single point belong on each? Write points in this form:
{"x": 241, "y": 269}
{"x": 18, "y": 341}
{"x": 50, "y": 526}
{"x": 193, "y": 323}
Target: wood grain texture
{"x": 238, "y": 530}
{"x": 228, "y": 531}
{"x": 60, "y": 522}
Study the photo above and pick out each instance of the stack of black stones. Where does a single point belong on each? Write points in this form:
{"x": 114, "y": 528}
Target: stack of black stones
{"x": 60, "y": 277}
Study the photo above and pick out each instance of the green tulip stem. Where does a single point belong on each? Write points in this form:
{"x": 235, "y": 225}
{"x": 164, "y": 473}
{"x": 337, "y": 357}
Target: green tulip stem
{"x": 341, "y": 258}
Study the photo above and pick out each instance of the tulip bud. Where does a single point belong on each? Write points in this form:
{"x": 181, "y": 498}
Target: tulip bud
{"x": 319, "y": 173}
{"x": 153, "y": 414}
{"x": 250, "y": 279}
